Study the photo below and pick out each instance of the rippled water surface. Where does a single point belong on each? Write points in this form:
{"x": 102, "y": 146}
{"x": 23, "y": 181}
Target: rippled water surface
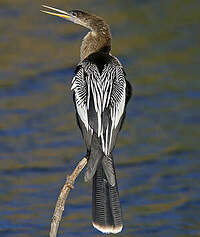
{"x": 158, "y": 151}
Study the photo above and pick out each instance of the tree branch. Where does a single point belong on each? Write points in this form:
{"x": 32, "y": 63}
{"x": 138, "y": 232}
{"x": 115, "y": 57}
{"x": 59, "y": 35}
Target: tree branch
{"x": 63, "y": 196}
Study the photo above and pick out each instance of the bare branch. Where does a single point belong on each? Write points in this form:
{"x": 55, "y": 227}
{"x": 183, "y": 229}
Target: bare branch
{"x": 63, "y": 196}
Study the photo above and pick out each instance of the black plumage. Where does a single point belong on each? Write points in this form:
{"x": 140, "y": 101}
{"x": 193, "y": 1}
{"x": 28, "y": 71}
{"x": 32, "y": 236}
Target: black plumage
{"x": 106, "y": 211}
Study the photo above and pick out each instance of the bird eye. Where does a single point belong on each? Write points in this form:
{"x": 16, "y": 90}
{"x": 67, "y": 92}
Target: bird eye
{"x": 74, "y": 14}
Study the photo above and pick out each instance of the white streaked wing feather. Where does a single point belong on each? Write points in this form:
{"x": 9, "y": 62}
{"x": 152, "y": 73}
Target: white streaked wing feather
{"x": 107, "y": 90}
{"x": 79, "y": 86}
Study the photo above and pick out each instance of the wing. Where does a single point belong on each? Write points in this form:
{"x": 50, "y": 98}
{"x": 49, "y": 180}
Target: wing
{"x": 81, "y": 101}
{"x": 114, "y": 96}
{"x": 100, "y": 101}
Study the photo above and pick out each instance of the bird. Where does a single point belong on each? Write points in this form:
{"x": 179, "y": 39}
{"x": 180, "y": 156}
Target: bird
{"x": 100, "y": 93}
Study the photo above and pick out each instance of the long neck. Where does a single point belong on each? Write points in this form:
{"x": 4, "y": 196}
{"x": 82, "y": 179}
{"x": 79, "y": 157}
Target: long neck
{"x": 98, "y": 39}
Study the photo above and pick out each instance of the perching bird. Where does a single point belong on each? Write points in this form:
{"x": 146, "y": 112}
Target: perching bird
{"x": 101, "y": 93}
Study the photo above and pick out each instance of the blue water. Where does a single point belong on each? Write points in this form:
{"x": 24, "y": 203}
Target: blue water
{"x": 157, "y": 154}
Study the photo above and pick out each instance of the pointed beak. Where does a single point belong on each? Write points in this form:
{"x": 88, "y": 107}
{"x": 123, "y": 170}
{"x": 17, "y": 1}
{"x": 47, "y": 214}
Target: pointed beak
{"x": 60, "y": 13}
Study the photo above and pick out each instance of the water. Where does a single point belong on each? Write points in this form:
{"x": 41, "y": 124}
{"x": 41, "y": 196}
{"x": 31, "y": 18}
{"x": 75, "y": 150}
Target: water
{"x": 157, "y": 153}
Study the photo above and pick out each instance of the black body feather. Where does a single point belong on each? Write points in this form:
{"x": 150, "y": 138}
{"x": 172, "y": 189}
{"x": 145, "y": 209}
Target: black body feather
{"x": 106, "y": 211}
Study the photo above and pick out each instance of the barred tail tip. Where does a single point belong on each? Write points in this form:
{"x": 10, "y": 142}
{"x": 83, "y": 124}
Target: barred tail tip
{"x": 108, "y": 229}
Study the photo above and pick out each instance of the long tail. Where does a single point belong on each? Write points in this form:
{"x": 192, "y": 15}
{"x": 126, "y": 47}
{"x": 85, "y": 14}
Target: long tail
{"x": 106, "y": 210}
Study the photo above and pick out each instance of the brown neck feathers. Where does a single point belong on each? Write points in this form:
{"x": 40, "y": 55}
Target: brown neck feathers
{"x": 98, "y": 39}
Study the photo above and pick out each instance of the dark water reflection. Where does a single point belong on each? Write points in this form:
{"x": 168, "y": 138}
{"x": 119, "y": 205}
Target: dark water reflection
{"x": 157, "y": 154}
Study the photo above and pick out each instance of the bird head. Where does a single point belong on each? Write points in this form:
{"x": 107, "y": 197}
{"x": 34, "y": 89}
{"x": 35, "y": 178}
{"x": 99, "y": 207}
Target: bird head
{"x": 76, "y": 16}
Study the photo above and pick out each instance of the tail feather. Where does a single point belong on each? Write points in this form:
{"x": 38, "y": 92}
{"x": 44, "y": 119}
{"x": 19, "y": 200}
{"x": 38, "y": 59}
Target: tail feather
{"x": 109, "y": 170}
{"x": 106, "y": 210}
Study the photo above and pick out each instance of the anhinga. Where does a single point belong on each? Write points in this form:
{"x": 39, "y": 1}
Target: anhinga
{"x": 101, "y": 93}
